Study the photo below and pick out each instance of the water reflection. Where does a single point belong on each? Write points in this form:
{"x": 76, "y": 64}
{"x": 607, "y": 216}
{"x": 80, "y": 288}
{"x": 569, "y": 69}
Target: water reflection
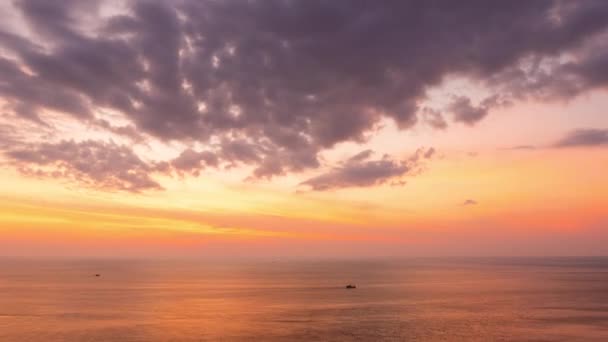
{"x": 416, "y": 299}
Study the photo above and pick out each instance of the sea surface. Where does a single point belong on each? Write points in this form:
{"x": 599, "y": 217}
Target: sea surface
{"x": 491, "y": 299}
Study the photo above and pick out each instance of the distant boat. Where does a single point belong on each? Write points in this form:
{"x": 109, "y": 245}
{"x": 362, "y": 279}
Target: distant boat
{"x": 351, "y": 286}
{"x": 98, "y": 275}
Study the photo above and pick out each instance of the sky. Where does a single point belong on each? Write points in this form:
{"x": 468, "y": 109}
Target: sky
{"x": 303, "y": 128}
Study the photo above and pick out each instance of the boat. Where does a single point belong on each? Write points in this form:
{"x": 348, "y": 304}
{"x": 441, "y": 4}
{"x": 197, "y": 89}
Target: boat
{"x": 351, "y": 286}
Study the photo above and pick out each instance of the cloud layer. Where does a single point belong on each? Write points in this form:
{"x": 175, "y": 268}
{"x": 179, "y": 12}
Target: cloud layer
{"x": 585, "y": 137}
{"x": 105, "y": 166}
{"x": 360, "y": 171}
{"x": 272, "y": 84}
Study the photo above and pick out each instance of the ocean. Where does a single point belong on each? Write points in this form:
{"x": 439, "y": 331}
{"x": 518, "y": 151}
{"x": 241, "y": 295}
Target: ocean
{"x": 443, "y": 299}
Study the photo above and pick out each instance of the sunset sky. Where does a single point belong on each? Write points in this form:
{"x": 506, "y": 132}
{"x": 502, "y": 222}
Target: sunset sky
{"x": 303, "y": 128}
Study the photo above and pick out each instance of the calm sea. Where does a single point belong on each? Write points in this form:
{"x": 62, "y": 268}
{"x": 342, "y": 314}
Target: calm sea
{"x": 511, "y": 299}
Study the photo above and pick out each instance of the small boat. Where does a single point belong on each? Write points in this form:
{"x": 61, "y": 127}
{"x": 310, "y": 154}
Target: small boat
{"x": 351, "y": 286}
{"x": 98, "y": 275}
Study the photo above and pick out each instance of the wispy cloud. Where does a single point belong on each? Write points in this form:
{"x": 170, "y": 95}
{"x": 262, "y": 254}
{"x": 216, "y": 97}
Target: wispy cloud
{"x": 469, "y": 202}
{"x": 584, "y": 137}
{"x": 106, "y": 166}
{"x": 361, "y": 171}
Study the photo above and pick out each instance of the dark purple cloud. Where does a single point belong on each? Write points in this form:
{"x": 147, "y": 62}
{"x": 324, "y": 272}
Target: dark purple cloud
{"x": 584, "y": 137}
{"x": 101, "y": 165}
{"x": 360, "y": 171}
{"x": 464, "y": 111}
{"x": 190, "y": 161}
{"x": 274, "y": 83}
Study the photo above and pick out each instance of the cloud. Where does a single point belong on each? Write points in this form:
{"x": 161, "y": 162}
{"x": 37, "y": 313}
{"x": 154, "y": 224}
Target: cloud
{"x": 190, "y": 161}
{"x": 584, "y": 137}
{"x": 272, "y": 84}
{"x": 434, "y": 118}
{"x": 360, "y": 171}
{"x": 556, "y": 78}
{"x": 469, "y": 202}
{"x": 126, "y": 131}
{"x": 7, "y": 136}
{"x": 464, "y": 111}
{"x": 522, "y": 147}
{"x": 95, "y": 164}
